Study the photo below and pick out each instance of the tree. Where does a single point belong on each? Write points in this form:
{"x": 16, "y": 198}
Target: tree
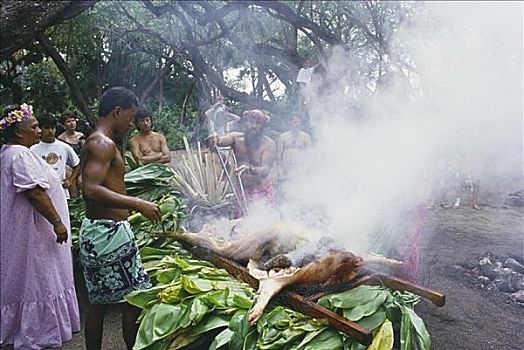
{"x": 22, "y": 20}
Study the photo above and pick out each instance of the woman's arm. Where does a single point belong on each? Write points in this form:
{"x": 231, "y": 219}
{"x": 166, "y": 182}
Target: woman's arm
{"x": 43, "y": 204}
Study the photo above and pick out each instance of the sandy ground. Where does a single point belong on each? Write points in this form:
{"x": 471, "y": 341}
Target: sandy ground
{"x": 472, "y": 319}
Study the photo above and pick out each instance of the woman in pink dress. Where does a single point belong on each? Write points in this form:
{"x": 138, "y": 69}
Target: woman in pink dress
{"x": 38, "y": 302}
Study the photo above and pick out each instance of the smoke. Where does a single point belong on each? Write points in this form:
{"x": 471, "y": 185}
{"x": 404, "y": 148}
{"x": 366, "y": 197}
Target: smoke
{"x": 376, "y": 157}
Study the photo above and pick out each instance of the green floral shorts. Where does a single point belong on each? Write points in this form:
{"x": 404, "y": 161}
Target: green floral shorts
{"x": 110, "y": 261}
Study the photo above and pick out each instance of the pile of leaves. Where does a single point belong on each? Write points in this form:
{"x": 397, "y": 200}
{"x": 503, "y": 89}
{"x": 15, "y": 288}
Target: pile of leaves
{"x": 150, "y": 182}
{"x": 194, "y": 305}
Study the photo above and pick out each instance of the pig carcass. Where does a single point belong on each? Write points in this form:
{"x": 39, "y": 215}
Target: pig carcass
{"x": 272, "y": 241}
{"x": 335, "y": 264}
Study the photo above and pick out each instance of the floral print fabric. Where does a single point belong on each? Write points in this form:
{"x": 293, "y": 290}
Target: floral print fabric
{"x": 110, "y": 261}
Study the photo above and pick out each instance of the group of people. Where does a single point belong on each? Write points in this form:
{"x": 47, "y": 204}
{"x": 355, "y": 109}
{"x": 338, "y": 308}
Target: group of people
{"x": 38, "y": 301}
{"x": 255, "y": 153}
{"x": 41, "y": 171}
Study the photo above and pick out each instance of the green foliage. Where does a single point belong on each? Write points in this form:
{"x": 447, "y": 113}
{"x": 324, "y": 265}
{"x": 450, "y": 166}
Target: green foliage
{"x": 168, "y": 122}
{"x": 45, "y": 87}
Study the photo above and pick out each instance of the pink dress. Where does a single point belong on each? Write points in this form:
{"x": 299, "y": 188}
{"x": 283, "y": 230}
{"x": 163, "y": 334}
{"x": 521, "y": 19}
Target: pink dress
{"x": 39, "y": 307}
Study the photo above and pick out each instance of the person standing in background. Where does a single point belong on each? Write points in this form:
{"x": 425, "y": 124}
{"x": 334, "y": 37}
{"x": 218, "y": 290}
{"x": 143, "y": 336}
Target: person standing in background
{"x": 75, "y": 139}
{"x": 290, "y": 145}
{"x": 220, "y": 120}
{"x": 57, "y": 154}
{"x": 255, "y": 155}
{"x": 148, "y": 146}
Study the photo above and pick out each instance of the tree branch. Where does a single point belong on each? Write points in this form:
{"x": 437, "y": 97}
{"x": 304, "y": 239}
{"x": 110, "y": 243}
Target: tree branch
{"x": 70, "y": 79}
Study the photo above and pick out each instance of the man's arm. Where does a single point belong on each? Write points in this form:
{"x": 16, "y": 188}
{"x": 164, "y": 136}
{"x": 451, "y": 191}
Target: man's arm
{"x": 307, "y": 141}
{"x": 138, "y": 156}
{"x": 266, "y": 161}
{"x": 166, "y": 154}
{"x": 222, "y": 141}
{"x": 280, "y": 148}
{"x": 234, "y": 116}
{"x": 213, "y": 108}
{"x": 73, "y": 177}
{"x": 73, "y": 161}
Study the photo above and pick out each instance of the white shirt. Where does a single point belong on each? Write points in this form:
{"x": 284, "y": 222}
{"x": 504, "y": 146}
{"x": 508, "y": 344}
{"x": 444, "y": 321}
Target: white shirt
{"x": 57, "y": 154}
{"x": 304, "y": 75}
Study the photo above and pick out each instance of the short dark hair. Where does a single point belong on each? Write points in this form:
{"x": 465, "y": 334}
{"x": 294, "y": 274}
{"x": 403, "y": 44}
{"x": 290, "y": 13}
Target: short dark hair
{"x": 46, "y": 120}
{"x": 142, "y": 113}
{"x": 116, "y": 97}
{"x": 67, "y": 115}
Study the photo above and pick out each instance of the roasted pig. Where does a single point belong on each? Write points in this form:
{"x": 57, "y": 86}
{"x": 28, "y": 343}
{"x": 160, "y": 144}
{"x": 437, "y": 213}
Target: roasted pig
{"x": 335, "y": 264}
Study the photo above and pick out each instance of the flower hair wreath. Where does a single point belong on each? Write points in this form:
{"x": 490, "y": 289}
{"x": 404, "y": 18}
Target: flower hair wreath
{"x": 16, "y": 116}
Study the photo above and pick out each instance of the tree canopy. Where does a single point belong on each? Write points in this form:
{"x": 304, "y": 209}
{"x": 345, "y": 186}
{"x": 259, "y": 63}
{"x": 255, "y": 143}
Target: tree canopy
{"x": 180, "y": 54}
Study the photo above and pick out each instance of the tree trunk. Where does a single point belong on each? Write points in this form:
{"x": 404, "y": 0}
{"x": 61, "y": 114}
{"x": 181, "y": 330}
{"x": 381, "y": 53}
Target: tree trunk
{"x": 78, "y": 96}
{"x": 184, "y": 103}
{"x": 147, "y": 91}
{"x": 23, "y": 20}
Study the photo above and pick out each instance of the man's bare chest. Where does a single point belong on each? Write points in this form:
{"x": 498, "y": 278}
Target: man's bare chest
{"x": 294, "y": 142}
{"x": 150, "y": 145}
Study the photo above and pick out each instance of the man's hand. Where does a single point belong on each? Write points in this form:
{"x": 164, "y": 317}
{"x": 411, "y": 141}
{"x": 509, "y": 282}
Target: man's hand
{"x": 67, "y": 183}
{"x": 150, "y": 210}
{"x": 242, "y": 168}
{"x": 212, "y": 141}
{"x": 61, "y": 232}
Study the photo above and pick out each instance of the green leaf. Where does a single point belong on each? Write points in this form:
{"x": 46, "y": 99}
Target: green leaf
{"x": 383, "y": 339}
{"x": 217, "y": 299}
{"x": 239, "y": 323}
{"x": 210, "y": 323}
{"x": 423, "y": 338}
{"x": 196, "y": 285}
{"x": 373, "y": 321}
{"x": 161, "y": 321}
{"x": 326, "y": 340}
{"x": 198, "y": 310}
{"x": 167, "y": 275}
{"x": 241, "y": 301}
{"x": 250, "y": 343}
{"x": 351, "y": 298}
{"x": 405, "y": 329}
{"x": 222, "y": 339}
{"x": 141, "y": 298}
{"x": 359, "y": 311}
{"x": 276, "y": 315}
{"x": 309, "y": 337}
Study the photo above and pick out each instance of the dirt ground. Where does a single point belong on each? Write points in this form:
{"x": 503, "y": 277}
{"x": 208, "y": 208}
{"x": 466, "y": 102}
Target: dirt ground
{"x": 472, "y": 318}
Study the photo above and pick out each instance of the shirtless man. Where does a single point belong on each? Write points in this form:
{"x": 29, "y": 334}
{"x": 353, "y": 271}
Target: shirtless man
{"x": 290, "y": 145}
{"x": 108, "y": 252}
{"x": 148, "y": 146}
{"x": 255, "y": 155}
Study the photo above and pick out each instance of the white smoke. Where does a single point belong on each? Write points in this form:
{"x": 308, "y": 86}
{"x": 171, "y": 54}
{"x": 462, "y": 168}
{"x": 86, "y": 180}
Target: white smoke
{"x": 369, "y": 170}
